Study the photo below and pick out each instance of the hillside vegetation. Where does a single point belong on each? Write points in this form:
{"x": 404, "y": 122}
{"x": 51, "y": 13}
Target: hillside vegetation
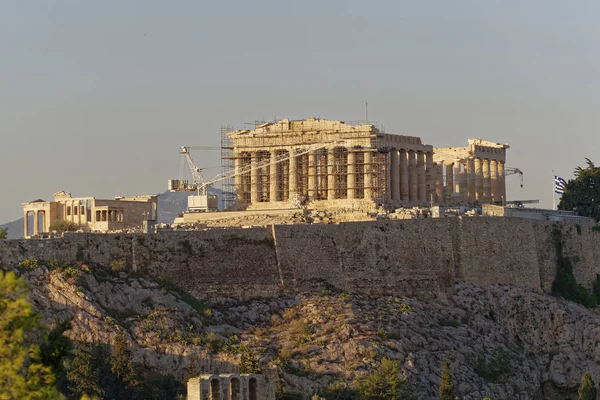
{"x": 498, "y": 341}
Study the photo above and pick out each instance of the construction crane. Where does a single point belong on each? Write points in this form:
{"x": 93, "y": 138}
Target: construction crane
{"x": 512, "y": 171}
{"x": 204, "y": 202}
{"x": 182, "y": 184}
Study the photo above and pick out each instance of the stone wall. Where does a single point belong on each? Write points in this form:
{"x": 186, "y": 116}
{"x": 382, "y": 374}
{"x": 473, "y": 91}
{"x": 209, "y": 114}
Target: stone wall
{"x": 420, "y": 258}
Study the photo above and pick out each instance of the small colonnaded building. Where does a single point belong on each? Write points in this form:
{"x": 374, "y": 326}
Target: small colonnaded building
{"x": 230, "y": 387}
{"x": 89, "y": 213}
{"x": 333, "y": 163}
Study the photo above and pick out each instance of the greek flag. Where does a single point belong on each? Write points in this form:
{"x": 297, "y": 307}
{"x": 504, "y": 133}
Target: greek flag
{"x": 559, "y": 185}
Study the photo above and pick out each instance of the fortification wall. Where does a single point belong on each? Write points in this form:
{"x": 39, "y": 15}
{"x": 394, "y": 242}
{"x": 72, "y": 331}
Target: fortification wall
{"x": 413, "y": 257}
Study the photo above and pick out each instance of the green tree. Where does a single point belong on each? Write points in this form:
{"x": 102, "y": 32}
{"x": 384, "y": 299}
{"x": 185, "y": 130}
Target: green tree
{"x": 248, "y": 361}
{"x": 587, "y": 389}
{"x": 63, "y": 226}
{"x": 384, "y": 383}
{"x": 582, "y": 194}
{"x": 84, "y": 375}
{"x": 22, "y": 374}
{"x": 3, "y": 233}
{"x": 120, "y": 361}
{"x": 447, "y": 390}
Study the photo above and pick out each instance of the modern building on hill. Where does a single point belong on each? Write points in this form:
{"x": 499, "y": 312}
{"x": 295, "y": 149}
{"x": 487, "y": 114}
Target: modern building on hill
{"x": 89, "y": 213}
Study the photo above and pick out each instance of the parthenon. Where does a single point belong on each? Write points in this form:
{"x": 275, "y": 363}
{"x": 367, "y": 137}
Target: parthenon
{"x": 317, "y": 160}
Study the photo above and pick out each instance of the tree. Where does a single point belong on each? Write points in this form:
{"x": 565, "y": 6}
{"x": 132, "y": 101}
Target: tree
{"x": 84, "y": 374}
{"x": 120, "y": 361}
{"x": 587, "y": 389}
{"x": 248, "y": 361}
{"x": 385, "y": 383}
{"x": 3, "y": 233}
{"x": 447, "y": 390}
{"x": 63, "y": 226}
{"x": 582, "y": 194}
{"x": 22, "y": 374}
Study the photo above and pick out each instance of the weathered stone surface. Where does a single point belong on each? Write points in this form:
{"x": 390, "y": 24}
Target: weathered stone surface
{"x": 419, "y": 258}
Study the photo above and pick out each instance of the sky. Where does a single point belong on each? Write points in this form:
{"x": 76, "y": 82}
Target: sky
{"x": 97, "y": 96}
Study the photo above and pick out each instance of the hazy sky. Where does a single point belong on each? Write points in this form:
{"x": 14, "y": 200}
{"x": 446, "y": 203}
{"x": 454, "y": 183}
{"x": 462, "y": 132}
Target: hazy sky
{"x": 97, "y": 96}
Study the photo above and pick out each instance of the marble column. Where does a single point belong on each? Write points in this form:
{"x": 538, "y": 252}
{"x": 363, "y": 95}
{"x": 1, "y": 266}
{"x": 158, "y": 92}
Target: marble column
{"x": 494, "y": 181}
{"x": 486, "y": 180}
{"x": 404, "y": 180}
{"x": 293, "y": 178}
{"x": 368, "y": 178}
{"x": 36, "y": 223}
{"x": 501, "y": 182}
{"x": 449, "y": 179}
{"x": 394, "y": 175}
{"x": 331, "y": 174}
{"x": 429, "y": 173}
{"x": 439, "y": 182}
{"x": 457, "y": 179}
{"x": 26, "y": 224}
{"x": 351, "y": 182}
{"x": 254, "y": 178}
{"x": 422, "y": 190}
{"x": 274, "y": 183}
{"x": 412, "y": 176}
{"x": 471, "y": 181}
{"x": 478, "y": 180}
{"x": 312, "y": 175}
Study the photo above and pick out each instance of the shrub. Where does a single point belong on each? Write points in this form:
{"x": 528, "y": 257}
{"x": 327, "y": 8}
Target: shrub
{"x": 490, "y": 370}
{"x": 118, "y": 265}
{"x": 587, "y": 389}
{"x": 63, "y": 226}
{"x": 384, "y": 383}
{"x": 28, "y": 264}
{"x": 3, "y": 233}
{"x": 448, "y": 322}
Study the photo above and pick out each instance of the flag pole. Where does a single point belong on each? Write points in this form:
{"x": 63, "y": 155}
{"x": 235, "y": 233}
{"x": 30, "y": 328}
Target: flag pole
{"x": 553, "y": 190}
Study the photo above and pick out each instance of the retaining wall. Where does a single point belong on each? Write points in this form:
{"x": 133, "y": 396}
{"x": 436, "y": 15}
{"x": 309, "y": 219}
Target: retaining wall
{"x": 420, "y": 258}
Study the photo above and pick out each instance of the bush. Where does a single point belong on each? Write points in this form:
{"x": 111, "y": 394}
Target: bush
{"x": 490, "y": 370}
{"x": 384, "y": 383}
{"x": 28, "y": 264}
{"x": 63, "y": 226}
{"x": 587, "y": 389}
{"x": 3, "y": 233}
{"x": 118, "y": 265}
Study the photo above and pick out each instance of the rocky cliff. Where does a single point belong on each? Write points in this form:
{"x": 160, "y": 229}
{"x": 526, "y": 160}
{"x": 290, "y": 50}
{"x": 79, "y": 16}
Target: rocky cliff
{"x": 502, "y": 341}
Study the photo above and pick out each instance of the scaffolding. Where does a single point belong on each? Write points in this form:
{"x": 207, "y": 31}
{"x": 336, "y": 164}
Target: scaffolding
{"x": 227, "y": 165}
{"x": 265, "y": 167}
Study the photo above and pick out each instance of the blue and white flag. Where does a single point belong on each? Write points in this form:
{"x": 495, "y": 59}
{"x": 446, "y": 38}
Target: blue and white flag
{"x": 559, "y": 185}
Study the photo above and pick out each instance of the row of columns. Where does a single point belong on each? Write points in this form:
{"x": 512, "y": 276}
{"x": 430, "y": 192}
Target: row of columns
{"x": 36, "y": 222}
{"x": 474, "y": 180}
{"x": 411, "y": 175}
{"x": 338, "y": 171}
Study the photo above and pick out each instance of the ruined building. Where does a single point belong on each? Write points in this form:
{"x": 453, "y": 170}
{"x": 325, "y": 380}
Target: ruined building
{"x": 89, "y": 213}
{"x": 332, "y": 163}
{"x": 230, "y": 387}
